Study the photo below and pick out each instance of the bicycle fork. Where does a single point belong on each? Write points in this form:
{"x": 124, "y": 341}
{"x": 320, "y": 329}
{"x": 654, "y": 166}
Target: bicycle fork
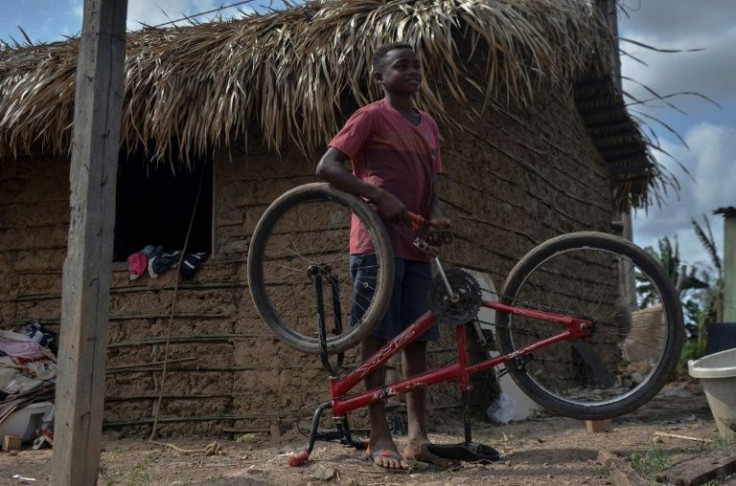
{"x": 317, "y": 274}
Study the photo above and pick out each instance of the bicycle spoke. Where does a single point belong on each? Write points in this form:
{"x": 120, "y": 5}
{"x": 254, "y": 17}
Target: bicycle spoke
{"x": 307, "y": 240}
{"x": 624, "y": 359}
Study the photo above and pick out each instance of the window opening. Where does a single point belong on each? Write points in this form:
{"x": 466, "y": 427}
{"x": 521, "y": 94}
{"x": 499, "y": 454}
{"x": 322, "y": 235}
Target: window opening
{"x": 155, "y": 202}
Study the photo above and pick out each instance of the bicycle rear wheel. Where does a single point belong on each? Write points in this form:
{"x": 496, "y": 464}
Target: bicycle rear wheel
{"x": 304, "y": 234}
{"x": 637, "y": 325}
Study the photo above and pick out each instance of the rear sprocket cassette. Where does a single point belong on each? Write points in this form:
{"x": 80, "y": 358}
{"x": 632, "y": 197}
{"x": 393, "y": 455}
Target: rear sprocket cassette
{"x": 463, "y": 306}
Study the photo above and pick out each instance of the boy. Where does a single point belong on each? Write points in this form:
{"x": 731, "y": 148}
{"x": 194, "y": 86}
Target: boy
{"x": 394, "y": 149}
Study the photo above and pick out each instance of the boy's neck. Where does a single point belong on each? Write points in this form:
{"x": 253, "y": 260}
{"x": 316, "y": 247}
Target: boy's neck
{"x": 402, "y": 104}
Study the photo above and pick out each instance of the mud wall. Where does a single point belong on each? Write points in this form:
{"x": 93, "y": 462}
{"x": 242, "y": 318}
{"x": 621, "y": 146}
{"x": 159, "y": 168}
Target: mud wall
{"x": 512, "y": 179}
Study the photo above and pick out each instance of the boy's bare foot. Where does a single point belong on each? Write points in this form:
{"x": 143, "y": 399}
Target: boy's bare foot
{"x": 419, "y": 451}
{"x": 387, "y": 456}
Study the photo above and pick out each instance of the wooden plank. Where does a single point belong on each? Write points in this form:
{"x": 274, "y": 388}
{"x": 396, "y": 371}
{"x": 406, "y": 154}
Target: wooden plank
{"x": 598, "y": 426}
{"x": 622, "y": 474}
{"x": 701, "y": 469}
{"x": 11, "y": 443}
{"x": 88, "y": 267}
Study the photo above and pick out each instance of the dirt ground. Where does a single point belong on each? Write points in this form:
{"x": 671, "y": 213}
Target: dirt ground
{"x": 543, "y": 451}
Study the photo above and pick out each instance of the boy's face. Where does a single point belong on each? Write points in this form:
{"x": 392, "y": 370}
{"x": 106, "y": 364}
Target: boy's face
{"x": 401, "y": 72}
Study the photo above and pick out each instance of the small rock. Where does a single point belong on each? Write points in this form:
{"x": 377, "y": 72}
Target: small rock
{"x": 13, "y": 452}
{"x": 324, "y": 473}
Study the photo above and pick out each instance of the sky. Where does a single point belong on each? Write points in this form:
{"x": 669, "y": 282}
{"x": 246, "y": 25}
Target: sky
{"x": 699, "y": 154}
{"x": 709, "y": 131}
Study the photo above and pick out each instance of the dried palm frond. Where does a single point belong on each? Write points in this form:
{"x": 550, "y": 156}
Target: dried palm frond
{"x": 284, "y": 73}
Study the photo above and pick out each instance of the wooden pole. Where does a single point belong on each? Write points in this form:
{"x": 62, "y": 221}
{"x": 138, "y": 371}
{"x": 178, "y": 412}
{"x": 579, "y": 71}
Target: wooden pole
{"x": 627, "y": 285}
{"x": 80, "y": 388}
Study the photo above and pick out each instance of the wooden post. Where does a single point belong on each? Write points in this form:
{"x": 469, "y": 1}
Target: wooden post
{"x": 80, "y": 388}
{"x": 729, "y": 265}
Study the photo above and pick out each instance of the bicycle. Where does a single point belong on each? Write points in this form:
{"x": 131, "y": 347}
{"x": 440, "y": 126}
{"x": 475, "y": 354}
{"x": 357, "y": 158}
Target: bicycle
{"x": 587, "y": 323}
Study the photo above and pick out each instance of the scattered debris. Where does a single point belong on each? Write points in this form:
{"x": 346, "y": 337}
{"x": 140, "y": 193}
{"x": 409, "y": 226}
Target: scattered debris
{"x": 246, "y": 437}
{"x": 622, "y": 474}
{"x": 212, "y": 449}
{"x": 23, "y": 480}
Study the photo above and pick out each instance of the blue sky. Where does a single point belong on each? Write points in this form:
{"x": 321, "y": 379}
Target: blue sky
{"x": 709, "y": 131}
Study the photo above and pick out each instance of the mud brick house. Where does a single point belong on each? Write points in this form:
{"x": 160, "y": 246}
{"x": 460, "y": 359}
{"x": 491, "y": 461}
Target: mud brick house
{"x": 536, "y": 142}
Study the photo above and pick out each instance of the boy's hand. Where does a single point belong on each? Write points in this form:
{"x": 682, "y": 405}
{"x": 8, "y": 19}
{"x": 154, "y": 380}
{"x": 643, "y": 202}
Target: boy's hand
{"x": 441, "y": 222}
{"x": 392, "y": 208}
{"x": 439, "y": 235}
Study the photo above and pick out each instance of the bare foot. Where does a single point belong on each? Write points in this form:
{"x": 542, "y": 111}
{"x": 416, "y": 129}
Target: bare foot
{"x": 387, "y": 456}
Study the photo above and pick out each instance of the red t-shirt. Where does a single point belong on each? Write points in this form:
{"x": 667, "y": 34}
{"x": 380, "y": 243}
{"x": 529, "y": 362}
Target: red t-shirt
{"x": 390, "y": 152}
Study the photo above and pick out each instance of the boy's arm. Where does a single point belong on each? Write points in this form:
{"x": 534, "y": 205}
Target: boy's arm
{"x": 435, "y": 211}
{"x": 331, "y": 168}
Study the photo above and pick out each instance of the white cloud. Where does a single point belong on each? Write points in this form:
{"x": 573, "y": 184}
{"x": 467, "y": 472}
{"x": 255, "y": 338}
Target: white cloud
{"x": 710, "y": 185}
{"x": 714, "y": 168}
{"x": 78, "y": 9}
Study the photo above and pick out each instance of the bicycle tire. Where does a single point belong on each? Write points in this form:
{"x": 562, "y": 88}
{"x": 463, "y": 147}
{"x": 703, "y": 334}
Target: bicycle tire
{"x": 631, "y": 352}
{"x": 306, "y": 226}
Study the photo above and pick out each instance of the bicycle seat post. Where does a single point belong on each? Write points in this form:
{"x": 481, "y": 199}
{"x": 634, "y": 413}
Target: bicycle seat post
{"x": 453, "y": 296}
{"x": 434, "y": 251}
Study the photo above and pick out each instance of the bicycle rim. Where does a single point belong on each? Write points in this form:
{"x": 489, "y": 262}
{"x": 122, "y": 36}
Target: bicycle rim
{"x": 637, "y": 334}
{"x": 304, "y": 235}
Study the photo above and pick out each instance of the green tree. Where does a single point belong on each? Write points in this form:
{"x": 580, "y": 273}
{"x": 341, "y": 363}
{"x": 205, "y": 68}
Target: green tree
{"x": 708, "y": 305}
{"x": 683, "y": 278}
{"x": 700, "y": 287}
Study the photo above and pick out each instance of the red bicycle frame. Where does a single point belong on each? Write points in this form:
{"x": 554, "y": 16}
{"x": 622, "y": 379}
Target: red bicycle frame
{"x": 339, "y": 387}
{"x": 341, "y": 402}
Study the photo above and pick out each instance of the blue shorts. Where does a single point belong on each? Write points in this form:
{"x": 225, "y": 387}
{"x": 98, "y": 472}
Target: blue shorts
{"x": 409, "y": 297}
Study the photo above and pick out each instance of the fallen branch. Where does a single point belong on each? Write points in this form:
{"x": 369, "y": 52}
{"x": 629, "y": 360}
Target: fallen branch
{"x": 677, "y": 436}
{"x": 213, "y": 449}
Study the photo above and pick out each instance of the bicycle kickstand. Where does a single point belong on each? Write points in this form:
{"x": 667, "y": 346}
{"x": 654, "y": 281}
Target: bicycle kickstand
{"x": 467, "y": 450}
{"x": 342, "y": 433}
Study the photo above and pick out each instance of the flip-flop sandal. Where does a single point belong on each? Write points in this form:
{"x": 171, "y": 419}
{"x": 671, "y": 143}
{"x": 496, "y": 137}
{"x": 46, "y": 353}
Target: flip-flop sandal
{"x": 441, "y": 462}
{"x": 387, "y": 453}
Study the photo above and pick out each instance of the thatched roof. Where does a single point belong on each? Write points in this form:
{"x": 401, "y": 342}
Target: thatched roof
{"x": 284, "y": 73}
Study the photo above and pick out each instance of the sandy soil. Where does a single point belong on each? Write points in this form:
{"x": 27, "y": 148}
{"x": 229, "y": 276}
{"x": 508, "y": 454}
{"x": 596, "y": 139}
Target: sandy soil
{"x": 542, "y": 451}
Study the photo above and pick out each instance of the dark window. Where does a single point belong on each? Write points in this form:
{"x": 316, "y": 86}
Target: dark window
{"x": 155, "y": 203}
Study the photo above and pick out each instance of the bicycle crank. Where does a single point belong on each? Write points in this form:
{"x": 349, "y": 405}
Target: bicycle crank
{"x": 459, "y": 306}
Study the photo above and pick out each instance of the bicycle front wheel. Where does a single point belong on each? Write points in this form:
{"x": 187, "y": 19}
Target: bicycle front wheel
{"x": 300, "y": 249}
{"x": 637, "y": 325}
